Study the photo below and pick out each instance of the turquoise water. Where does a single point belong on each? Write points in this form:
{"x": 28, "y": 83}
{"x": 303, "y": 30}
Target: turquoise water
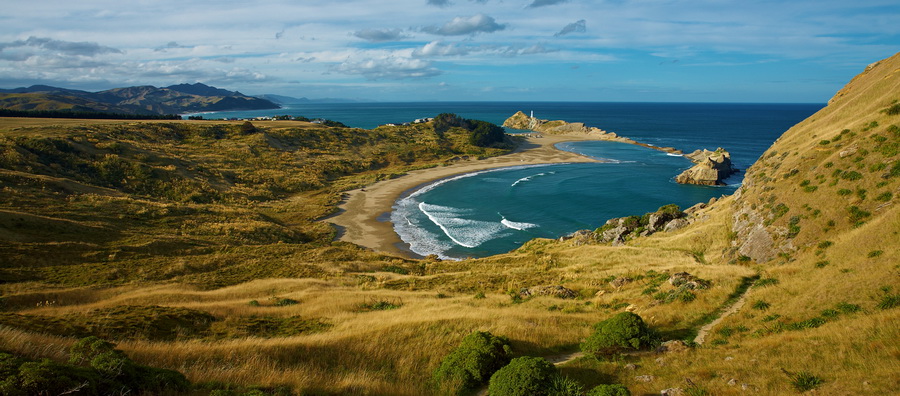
{"x": 485, "y": 213}
{"x": 494, "y": 212}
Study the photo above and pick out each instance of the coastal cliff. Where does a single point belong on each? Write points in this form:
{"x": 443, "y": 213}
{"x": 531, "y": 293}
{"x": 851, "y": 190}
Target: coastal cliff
{"x": 710, "y": 168}
{"x": 520, "y": 120}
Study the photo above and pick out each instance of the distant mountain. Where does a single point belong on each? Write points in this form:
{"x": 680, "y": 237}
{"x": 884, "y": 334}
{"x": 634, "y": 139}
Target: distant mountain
{"x": 202, "y": 90}
{"x": 175, "y": 99}
{"x": 281, "y": 99}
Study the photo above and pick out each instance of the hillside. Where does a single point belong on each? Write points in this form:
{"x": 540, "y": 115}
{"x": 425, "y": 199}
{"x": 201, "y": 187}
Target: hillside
{"x": 165, "y": 236}
{"x": 175, "y": 99}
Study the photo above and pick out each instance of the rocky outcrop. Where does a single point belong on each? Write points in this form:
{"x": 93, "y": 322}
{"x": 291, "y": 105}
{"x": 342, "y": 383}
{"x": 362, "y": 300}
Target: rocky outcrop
{"x": 710, "y": 168}
{"x": 552, "y": 290}
{"x": 522, "y": 121}
{"x": 617, "y": 230}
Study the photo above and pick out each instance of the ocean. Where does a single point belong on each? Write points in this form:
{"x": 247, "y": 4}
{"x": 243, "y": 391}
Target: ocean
{"x": 491, "y": 212}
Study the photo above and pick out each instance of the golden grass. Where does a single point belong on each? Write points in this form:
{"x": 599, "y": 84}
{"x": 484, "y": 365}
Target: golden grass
{"x": 218, "y": 257}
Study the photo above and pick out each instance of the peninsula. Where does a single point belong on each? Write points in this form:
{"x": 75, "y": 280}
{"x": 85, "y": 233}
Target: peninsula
{"x": 710, "y": 167}
{"x": 521, "y": 120}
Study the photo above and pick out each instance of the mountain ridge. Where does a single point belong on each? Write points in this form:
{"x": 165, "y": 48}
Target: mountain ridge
{"x": 144, "y": 99}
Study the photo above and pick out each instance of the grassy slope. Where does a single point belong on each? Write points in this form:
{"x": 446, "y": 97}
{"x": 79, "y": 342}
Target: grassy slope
{"x": 829, "y": 262}
{"x": 251, "y": 236}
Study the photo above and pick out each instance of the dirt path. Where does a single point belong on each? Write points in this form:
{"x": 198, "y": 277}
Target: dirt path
{"x": 701, "y": 335}
{"x": 562, "y": 359}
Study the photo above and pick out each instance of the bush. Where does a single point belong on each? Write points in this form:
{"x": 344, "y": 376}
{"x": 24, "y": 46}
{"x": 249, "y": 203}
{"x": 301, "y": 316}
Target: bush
{"x": 609, "y": 390}
{"x": 523, "y": 376}
{"x": 803, "y": 381}
{"x": 621, "y": 332}
{"x": 565, "y": 386}
{"x": 471, "y": 364}
{"x": 95, "y": 368}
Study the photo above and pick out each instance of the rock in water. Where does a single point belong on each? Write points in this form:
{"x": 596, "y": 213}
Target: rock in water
{"x": 710, "y": 168}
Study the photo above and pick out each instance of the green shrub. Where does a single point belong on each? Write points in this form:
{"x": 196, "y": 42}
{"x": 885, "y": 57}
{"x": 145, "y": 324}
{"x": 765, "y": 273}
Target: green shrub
{"x": 609, "y": 390}
{"x": 565, "y": 386}
{"x": 804, "y": 380}
{"x": 856, "y": 214}
{"x": 886, "y": 196}
{"x": 380, "y": 305}
{"x": 624, "y": 331}
{"x": 766, "y": 282}
{"x": 893, "y": 110}
{"x": 889, "y": 301}
{"x": 95, "y": 368}
{"x": 471, "y": 364}
{"x": 395, "y": 269}
{"x": 851, "y": 175}
{"x": 283, "y": 302}
{"x": 523, "y": 376}
{"x": 761, "y": 305}
{"x": 847, "y": 307}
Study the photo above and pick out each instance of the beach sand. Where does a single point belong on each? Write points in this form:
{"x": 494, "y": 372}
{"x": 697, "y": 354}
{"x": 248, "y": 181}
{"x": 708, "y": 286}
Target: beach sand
{"x": 363, "y": 216}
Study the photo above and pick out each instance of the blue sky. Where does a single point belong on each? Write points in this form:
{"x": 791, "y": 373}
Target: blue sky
{"x": 426, "y": 50}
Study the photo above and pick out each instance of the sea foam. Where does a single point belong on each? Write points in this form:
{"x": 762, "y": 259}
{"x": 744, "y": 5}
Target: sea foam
{"x": 463, "y": 232}
{"x": 515, "y": 224}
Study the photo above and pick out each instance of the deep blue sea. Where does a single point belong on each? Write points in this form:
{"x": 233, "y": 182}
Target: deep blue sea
{"x": 496, "y": 211}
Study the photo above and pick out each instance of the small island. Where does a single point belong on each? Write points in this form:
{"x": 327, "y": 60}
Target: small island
{"x": 710, "y": 168}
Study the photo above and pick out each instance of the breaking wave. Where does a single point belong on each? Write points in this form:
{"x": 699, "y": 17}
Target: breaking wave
{"x": 528, "y": 178}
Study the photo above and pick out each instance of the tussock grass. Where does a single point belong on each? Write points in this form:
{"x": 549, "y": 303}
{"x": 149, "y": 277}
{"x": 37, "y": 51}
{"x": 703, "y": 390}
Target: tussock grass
{"x": 101, "y": 216}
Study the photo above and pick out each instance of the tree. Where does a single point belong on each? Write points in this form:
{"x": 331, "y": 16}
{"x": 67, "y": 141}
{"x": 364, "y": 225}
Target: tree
{"x": 485, "y": 133}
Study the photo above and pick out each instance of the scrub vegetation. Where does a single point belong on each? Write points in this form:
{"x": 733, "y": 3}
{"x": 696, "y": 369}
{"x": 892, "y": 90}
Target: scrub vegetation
{"x": 160, "y": 237}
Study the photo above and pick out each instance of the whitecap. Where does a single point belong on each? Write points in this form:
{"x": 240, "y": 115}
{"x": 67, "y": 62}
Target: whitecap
{"x": 463, "y": 232}
{"x": 516, "y": 225}
{"x": 528, "y": 178}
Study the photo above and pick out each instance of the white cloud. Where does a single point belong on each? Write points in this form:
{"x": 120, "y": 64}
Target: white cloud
{"x": 460, "y": 26}
{"x": 437, "y": 48}
{"x": 390, "y": 67}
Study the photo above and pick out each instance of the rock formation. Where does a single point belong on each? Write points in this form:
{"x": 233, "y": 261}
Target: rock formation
{"x": 710, "y": 168}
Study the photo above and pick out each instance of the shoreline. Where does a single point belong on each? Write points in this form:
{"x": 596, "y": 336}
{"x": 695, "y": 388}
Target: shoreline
{"x": 361, "y": 217}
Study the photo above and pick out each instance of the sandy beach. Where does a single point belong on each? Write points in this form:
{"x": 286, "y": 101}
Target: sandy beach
{"x": 359, "y": 213}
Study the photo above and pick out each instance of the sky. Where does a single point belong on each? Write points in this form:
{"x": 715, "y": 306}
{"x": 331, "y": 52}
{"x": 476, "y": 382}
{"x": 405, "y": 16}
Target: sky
{"x": 454, "y": 50}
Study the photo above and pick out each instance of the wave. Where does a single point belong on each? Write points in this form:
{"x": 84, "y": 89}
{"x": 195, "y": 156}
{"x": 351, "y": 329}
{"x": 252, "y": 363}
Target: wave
{"x": 516, "y": 225}
{"x": 421, "y": 241}
{"x": 432, "y": 186}
{"x": 528, "y": 178}
{"x": 463, "y": 232}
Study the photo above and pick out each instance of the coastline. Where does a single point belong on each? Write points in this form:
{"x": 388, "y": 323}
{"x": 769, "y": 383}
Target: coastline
{"x": 360, "y": 211}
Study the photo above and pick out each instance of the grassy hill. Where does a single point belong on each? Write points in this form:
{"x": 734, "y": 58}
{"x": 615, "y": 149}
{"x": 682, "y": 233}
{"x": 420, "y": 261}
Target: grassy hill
{"x": 165, "y": 236}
